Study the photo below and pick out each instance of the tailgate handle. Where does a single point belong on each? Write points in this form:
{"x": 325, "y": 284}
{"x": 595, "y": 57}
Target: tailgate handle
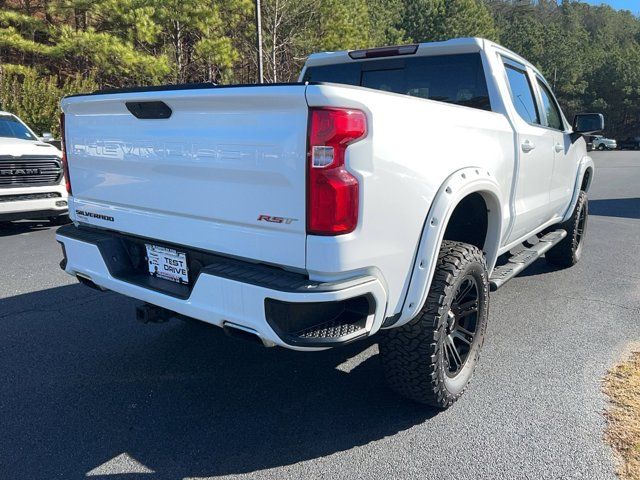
{"x": 149, "y": 110}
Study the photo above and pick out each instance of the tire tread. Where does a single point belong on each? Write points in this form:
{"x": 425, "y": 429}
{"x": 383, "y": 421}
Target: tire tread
{"x": 411, "y": 353}
{"x": 563, "y": 254}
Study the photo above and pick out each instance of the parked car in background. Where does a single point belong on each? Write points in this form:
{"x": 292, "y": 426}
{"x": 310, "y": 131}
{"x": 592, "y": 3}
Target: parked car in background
{"x": 629, "y": 143}
{"x": 603, "y": 143}
{"x": 32, "y": 184}
{"x": 589, "y": 140}
{"x": 384, "y": 194}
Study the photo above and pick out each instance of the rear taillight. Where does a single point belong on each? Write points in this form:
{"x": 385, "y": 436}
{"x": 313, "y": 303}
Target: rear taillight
{"x": 63, "y": 146}
{"x": 332, "y": 202}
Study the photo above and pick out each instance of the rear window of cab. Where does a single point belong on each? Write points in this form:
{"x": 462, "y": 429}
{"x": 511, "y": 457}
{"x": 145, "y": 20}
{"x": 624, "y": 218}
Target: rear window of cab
{"x": 457, "y": 79}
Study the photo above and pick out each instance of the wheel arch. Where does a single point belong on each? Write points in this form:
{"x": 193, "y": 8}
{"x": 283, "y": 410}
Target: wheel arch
{"x": 584, "y": 178}
{"x": 475, "y": 183}
{"x": 475, "y": 219}
{"x": 587, "y": 177}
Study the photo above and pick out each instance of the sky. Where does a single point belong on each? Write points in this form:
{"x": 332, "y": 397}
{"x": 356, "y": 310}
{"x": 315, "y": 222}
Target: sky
{"x": 633, "y": 5}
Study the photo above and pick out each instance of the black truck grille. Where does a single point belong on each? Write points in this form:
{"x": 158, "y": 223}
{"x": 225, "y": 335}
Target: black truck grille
{"x": 32, "y": 170}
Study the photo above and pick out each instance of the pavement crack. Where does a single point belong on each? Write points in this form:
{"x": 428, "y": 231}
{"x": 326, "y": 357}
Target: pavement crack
{"x": 606, "y": 302}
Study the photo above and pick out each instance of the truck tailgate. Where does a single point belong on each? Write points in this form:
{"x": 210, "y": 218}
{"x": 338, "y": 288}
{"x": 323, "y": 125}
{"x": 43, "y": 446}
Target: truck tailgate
{"x": 224, "y": 173}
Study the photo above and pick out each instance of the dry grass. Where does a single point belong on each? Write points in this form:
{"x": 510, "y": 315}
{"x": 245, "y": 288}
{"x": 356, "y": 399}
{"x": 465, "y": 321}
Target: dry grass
{"x": 622, "y": 385}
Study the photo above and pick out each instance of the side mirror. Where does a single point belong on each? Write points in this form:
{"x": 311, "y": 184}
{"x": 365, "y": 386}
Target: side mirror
{"x": 47, "y": 137}
{"x": 588, "y": 123}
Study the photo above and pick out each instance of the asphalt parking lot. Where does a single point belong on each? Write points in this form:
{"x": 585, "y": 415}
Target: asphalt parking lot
{"x": 86, "y": 391}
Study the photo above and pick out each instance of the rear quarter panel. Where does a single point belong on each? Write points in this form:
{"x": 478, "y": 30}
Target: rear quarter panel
{"x": 413, "y": 145}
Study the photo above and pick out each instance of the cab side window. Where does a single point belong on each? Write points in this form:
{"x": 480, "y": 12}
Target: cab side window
{"x": 522, "y": 94}
{"x": 551, "y": 110}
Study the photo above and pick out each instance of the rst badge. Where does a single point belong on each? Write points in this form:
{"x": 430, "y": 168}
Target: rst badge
{"x": 272, "y": 219}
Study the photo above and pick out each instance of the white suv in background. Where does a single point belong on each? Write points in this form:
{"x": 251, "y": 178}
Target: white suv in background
{"x": 32, "y": 184}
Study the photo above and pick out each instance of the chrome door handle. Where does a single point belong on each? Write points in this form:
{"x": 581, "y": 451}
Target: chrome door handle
{"x": 527, "y": 146}
{"x": 558, "y": 147}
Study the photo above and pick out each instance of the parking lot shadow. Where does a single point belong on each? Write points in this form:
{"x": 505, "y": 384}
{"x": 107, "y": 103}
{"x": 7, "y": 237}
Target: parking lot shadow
{"x": 82, "y": 383}
{"x": 616, "y": 207}
{"x": 24, "y": 226}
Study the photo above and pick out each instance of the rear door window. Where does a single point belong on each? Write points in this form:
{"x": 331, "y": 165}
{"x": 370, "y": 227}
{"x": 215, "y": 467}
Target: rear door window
{"x": 522, "y": 94}
{"x": 457, "y": 79}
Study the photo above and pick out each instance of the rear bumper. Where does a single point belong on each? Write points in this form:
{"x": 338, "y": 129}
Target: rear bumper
{"x": 32, "y": 202}
{"x": 281, "y": 308}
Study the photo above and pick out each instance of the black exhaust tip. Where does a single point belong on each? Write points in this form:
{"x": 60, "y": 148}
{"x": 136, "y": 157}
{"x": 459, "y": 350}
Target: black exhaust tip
{"x": 89, "y": 283}
{"x": 243, "y": 334}
{"x": 64, "y": 261}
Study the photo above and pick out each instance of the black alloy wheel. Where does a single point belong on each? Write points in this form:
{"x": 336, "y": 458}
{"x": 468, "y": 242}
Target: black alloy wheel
{"x": 462, "y": 325}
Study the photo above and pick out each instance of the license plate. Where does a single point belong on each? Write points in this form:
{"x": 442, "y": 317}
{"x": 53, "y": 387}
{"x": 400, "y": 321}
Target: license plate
{"x": 168, "y": 264}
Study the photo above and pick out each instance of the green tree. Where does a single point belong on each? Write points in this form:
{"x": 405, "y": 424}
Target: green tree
{"x": 198, "y": 35}
{"x": 343, "y": 24}
{"x": 72, "y": 45}
{"x": 113, "y": 62}
{"x": 554, "y": 39}
{"x": 436, "y": 20}
{"x": 292, "y": 29}
{"x": 385, "y": 20}
{"x": 35, "y": 98}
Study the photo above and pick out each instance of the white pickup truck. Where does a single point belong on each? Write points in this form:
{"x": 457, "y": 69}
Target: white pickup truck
{"x": 385, "y": 193}
{"x": 31, "y": 181}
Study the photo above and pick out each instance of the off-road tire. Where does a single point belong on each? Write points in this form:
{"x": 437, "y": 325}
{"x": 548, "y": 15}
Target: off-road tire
{"x": 601, "y": 147}
{"x": 568, "y": 252}
{"x": 413, "y": 356}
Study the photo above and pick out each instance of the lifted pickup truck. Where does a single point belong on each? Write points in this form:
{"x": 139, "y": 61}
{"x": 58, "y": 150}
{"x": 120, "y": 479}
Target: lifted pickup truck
{"x": 386, "y": 193}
